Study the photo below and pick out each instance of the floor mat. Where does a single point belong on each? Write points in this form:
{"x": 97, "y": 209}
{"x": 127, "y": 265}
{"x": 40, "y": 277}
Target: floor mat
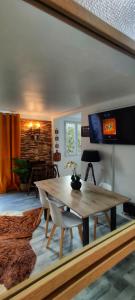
{"x": 17, "y": 258}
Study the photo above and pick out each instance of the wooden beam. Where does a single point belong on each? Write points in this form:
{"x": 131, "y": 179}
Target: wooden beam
{"x": 76, "y": 15}
{"x": 69, "y": 290}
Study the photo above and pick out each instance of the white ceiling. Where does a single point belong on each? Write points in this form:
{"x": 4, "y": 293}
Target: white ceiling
{"x": 48, "y": 67}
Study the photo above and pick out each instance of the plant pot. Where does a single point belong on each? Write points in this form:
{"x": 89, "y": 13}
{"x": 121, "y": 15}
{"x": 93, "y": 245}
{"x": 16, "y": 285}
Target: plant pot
{"x": 23, "y": 187}
{"x": 76, "y": 185}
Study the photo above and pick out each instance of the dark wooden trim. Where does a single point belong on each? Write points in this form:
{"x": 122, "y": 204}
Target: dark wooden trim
{"x": 77, "y": 16}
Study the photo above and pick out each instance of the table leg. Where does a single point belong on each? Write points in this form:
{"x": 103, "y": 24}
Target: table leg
{"x": 85, "y": 231}
{"x": 113, "y": 218}
{"x": 45, "y": 213}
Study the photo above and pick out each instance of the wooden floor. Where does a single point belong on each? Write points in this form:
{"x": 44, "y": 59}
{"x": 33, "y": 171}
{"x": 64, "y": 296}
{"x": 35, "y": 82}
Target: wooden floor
{"x": 118, "y": 282}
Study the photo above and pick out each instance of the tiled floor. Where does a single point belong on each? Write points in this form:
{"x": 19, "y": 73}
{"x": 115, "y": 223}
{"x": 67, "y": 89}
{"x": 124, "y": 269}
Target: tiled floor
{"x": 105, "y": 288}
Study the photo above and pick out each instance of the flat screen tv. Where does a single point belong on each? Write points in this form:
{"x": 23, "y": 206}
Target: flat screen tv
{"x": 113, "y": 127}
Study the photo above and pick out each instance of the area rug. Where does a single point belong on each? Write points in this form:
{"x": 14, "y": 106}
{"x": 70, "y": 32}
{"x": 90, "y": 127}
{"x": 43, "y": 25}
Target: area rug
{"x": 17, "y": 258}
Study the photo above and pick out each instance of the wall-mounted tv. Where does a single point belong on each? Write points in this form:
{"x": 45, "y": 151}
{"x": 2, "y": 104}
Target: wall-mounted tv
{"x": 113, "y": 127}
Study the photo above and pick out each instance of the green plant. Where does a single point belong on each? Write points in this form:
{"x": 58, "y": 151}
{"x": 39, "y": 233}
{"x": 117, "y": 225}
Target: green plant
{"x": 21, "y": 169}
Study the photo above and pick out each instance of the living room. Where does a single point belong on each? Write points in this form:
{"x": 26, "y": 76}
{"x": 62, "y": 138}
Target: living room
{"x": 54, "y": 77}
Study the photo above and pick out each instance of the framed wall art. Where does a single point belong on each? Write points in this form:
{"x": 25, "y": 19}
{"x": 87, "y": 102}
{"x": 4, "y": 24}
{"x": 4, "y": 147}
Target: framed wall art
{"x": 85, "y": 131}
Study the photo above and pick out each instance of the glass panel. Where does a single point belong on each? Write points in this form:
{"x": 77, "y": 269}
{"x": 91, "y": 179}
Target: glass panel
{"x": 117, "y": 283}
{"x": 78, "y": 138}
{"x": 70, "y": 139}
{"x": 118, "y": 13}
{"x": 27, "y": 257}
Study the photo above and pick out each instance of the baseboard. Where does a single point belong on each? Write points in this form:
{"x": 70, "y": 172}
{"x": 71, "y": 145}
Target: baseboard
{"x": 129, "y": 208}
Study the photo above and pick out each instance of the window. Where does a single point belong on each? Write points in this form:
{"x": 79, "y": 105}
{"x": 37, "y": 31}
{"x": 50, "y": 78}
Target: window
{"x": 72, "y": 138}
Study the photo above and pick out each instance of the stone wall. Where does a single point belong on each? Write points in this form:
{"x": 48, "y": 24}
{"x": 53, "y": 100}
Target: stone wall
{"x": 40, "y": 149}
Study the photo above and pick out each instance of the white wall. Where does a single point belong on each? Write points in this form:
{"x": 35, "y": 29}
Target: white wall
{"x": 124, "y": 155}
{"x": 36, "y": 116}
{"x": 59, "y": 124}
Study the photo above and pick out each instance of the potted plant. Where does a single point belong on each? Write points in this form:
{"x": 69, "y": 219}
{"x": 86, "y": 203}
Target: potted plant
{"x": 75, "y": 178}
{"x": 22, "y": 170}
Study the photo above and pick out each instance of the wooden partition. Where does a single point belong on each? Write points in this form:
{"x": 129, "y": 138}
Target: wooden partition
{"x": 71, "y": 12}
{"x": 70, "y": 275}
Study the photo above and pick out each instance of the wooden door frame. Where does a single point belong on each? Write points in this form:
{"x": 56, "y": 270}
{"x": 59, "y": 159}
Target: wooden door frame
{"x": 79, "y": 17}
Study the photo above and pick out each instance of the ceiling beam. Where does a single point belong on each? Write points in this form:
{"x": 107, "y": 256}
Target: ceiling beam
{"x": 71, "y": 12}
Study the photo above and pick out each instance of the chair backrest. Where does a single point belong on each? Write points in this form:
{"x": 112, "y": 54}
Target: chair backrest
{"x": 43, "y": 198}
{"x": 51, "y": 171}
{"x": 36, "y": 174}
{"x": 106, "y": 186}
{"x": 43, "y": 172}
{"x": 56, "y": 214}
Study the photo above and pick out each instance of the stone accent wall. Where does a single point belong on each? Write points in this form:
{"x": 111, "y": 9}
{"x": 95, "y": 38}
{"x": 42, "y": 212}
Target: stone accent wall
{"x": 36, "y": 150}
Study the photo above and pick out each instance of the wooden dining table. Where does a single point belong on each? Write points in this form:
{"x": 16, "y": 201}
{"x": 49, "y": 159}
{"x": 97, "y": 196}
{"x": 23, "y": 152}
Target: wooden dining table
{"x": 88, "y": 201}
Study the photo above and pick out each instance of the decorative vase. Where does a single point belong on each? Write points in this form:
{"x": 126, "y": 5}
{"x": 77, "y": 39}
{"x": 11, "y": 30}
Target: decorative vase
{"x": 76, "y": 185}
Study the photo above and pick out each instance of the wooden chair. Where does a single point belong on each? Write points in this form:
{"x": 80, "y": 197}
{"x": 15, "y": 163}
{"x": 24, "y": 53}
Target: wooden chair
{"x": 64, "y": 220}
{"x": 41, "y": 172}
{"x": 44, "y": 199}
{"x": 52, "y": 171}
{"x": 37, "y": 173}
{"x": 105, "y": 213}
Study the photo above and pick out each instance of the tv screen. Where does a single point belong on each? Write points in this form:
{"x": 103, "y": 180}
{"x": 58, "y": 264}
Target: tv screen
{"x": 113, "y": 127}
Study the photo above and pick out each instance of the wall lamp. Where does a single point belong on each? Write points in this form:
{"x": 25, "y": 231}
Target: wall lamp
{"x": 34, "y": 130}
